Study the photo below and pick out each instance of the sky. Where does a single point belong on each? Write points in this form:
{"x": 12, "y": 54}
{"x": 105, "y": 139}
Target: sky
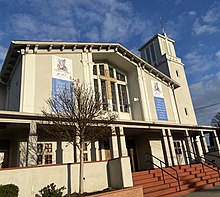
{"x": 193, "y": 24}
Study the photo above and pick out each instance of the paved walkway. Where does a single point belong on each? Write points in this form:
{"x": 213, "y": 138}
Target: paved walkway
{"x": 212, "y": 192}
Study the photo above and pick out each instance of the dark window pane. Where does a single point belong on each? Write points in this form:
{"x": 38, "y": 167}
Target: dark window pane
{"x": 114, "y": 103}
{"x": 120, "y": 76}
{"x": 148, "y": 55}
{"x": 48, "y": 159}
{"x": 152, "y": 53}
{"x": 101, "y": 70}
{"x": 111, "y": 73}
{"x": 39, "y": 159}
{"x": 94, "y": 69}
{"x": 123, "y": 98}
{"x": 104, "y": 94}
{"x": 96, "y": 87}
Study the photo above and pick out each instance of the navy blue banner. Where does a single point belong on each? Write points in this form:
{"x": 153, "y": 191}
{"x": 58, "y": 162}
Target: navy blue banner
{"x": 160, "y": 108}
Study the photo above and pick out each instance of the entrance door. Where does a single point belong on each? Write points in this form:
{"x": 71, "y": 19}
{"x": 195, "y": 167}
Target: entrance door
{"x": 132, "y": 154}
{"x": 179, "y": 151}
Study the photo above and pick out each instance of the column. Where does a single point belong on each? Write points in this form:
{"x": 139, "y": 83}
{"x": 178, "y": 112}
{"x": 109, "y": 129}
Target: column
{"x": 216, "y": 141}
{"x": 114, "y": 144}
{"x": 189, "y": 147}
{"x": 97, "y": 151}
{"x": 121, "y": 143}
{"x": 59, "y": 152}
{"x": 32, "y": 145}
{"x": 172, "y": 149}
{"x": 167, "y": 148}
{"x": 203, "y": 142}
{"x": 102, "y": 147}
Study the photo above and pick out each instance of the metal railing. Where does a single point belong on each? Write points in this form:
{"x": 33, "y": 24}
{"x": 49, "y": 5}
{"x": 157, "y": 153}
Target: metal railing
{"x": 163, "y": 170}
{"x": 196, "y": 156}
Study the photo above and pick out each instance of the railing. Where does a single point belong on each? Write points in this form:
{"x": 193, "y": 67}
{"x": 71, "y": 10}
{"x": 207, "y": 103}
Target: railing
{"x": 163, "y": 170}
{"x": 203, "y": 164}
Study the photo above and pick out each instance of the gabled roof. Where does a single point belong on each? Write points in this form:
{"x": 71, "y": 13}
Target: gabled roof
{"x": 18, "y": 48}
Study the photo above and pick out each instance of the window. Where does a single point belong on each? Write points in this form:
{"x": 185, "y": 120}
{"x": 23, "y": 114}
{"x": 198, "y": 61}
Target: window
{"x": 148, "y": 55}
{"x": 120, "y": 76}
{"x": 44, "y": 153}
{"x": 102, "y": 70}
{"x": 123, "y": 99}
{"x": 177, "y": 73}
{"x": 104, "y": 94}
{"x": 94, "y": 69}
{"x": 114, "y": 101}
{"x": 186, "y": 112}
{"x": 111, "y": 84}
{"x": 111, "y": 72}
{"x": 152, "y": 53}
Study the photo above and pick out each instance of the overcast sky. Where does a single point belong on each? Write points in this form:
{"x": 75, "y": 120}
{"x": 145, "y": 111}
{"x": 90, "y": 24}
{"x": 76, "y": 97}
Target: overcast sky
{"x": 193, "y": 24}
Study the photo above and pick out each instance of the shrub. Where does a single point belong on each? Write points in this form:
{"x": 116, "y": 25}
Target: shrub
{"x": 9, "y": 190}
{"x": 51, "y": 191}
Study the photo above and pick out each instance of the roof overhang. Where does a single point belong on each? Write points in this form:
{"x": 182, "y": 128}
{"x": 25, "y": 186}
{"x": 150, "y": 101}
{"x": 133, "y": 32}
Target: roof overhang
{"x": 18, "y": 48}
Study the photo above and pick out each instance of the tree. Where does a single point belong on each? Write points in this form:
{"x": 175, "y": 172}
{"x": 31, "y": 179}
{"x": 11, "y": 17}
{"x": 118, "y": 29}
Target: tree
{"x": 76, "y": 115}
{"x": 216, "y": 122}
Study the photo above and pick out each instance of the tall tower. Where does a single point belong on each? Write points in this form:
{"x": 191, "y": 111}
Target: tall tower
{"x": 159, "y": 51}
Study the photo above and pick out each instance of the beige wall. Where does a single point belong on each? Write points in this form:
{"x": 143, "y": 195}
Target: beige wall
{"x": 14, "y": 89}
{"x": 37, "y": 79}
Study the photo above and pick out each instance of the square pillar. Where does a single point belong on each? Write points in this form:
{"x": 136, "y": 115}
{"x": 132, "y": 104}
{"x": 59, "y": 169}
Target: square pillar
{"x": 216, "y": 141}
{"x": 204, "y": 143}
{"x": 114, "y": 144}
{"x": 167, "y": 148}
{"x": 123, "y": 152}
{"x": 189, "y": 147}
{"x": 32, "y": 145}
{"x": 172, "y": 149}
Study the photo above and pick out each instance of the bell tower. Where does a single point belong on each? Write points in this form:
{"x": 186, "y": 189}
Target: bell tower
{"x": 159, "y": 51}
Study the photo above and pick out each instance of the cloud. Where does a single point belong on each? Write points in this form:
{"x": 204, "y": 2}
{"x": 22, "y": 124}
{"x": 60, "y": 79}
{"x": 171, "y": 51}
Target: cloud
{"x": 199, "y": 61}
{"x": 205, "y": 93}
{"x": 218, "y": 54}
{"x": 3, "y": 51}
{"x": 192, "y": 13}
{"x": 209, "y": 22}
{"x": 198, "y": 28}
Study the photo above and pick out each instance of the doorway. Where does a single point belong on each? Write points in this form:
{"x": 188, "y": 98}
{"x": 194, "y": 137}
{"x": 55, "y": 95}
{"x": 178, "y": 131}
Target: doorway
{"x": 179, "y": 150}
{"x": 4, "y": 150}
{"x": 130, "y": 143}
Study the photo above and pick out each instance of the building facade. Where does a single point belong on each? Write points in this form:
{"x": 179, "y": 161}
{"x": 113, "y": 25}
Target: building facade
{"x": 156, "y": 118}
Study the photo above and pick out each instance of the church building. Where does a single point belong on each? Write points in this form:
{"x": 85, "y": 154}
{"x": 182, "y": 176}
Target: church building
{"x": 156, "y": 119}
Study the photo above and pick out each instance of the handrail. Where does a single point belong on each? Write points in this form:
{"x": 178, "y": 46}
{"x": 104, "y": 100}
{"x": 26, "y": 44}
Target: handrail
{"x": 204, "y": 164}
{"x": 163, "y": 170}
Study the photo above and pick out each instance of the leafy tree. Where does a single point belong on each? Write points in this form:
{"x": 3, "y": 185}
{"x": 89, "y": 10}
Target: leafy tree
{"x": 77, "y": 115}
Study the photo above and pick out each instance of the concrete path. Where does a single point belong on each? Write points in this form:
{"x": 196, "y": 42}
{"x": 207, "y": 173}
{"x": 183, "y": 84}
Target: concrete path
{"x": 212, "y": 192}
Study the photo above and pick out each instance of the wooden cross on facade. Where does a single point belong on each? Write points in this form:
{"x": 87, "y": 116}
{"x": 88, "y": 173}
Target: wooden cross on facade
{"x": 108, "y": 81}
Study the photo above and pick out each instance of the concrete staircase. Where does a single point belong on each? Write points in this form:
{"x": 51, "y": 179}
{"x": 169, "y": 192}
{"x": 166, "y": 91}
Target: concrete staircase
{"x": 192, "y": 178}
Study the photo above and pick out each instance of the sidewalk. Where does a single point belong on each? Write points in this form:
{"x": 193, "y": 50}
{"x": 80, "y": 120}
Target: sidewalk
{"x": 213, "y": 192}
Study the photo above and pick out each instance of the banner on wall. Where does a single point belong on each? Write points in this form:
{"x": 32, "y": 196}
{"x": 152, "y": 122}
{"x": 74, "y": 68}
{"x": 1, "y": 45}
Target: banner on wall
{"x": 159, "y": 100}
{"x": 61, "y": 74}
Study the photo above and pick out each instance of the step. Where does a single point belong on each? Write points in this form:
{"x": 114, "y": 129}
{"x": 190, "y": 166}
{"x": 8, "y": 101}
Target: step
{"x": 181, "y": 193}
{"x": 144, "y": 181}
{"x": 160, "y": 192}
{"x": 156, "y": 188}
{"x": 143, "y": 176}
{"x": 152, "y": 184}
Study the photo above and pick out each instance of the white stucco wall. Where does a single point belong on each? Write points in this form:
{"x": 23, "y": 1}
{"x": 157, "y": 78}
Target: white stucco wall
{"x": 31, "y": 180}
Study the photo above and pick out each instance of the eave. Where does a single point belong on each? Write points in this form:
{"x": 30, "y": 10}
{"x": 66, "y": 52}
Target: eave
{"x": 18, "y": 48}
